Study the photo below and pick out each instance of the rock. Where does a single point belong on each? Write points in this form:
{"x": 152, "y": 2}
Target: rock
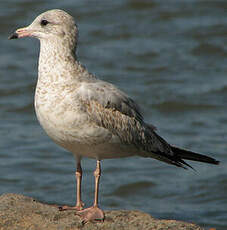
{"x": 18, "y": 212}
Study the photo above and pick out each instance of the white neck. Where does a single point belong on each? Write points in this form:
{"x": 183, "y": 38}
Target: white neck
{"x": 54, "y": 58}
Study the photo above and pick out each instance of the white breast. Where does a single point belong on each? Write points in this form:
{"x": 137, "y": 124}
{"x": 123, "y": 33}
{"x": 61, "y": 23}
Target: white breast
{"x": 65, "y": 122}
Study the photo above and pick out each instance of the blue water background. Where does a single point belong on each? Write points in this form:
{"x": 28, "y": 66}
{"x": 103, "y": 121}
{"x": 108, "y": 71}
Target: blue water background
{"x": 171, "y": 57}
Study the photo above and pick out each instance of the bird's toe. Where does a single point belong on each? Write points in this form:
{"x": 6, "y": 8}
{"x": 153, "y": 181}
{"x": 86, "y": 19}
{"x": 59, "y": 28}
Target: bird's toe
{"x": 91, "y": 214}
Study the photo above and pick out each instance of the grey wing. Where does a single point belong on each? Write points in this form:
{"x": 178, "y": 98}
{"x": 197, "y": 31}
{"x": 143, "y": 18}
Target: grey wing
{"x": 112, "y": 109}
{"x": 109, "y": 97}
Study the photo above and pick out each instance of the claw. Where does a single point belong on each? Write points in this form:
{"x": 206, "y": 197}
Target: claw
{"x": 65, "y": 207}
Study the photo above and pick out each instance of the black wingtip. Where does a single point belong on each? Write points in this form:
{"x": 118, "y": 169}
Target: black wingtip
{"x": 13, "y": 36}
{"x": 189, "y": 155}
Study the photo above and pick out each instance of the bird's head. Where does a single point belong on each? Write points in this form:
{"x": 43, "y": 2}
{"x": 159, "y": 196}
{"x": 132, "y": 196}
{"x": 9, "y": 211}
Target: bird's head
{"x": 51, "y": 25}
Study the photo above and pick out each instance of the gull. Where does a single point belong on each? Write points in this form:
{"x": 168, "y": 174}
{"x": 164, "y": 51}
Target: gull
{"x": 87, "y": 116}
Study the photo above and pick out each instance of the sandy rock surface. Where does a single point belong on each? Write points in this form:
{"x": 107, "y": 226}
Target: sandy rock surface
{"x": 18, "y": 212}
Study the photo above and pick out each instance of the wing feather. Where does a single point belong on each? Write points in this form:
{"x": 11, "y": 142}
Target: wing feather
{"x": 109, "y": 96}
{"x": 110, "y": 108}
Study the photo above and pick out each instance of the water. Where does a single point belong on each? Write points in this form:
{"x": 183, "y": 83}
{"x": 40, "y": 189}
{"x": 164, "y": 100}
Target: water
{"x": 170, "y": 56}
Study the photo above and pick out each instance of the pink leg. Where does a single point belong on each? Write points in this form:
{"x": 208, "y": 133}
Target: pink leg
{"x": 94, "y": 212}
{"x": 79, "y": 204}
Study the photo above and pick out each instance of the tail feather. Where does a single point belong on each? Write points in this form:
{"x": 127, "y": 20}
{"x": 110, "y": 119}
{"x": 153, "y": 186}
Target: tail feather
{"x": 189, "y": 155}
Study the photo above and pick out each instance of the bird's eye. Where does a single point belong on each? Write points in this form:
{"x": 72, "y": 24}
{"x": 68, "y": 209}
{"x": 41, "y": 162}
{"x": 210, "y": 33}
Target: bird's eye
{"x": 44, "y": 22}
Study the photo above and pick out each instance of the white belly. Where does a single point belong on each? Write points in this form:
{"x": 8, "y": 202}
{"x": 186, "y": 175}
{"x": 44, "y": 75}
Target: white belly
{"x": 72, "y": 129}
